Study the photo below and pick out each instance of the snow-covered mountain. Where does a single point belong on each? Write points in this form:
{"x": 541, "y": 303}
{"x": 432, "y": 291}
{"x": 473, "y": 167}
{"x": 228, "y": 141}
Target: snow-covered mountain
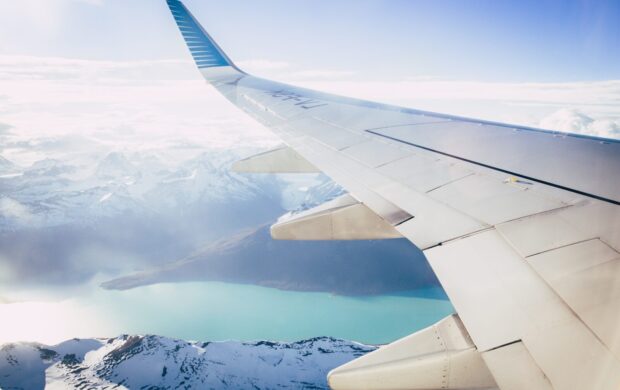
{"x": 208, "y": 178}
{"x": 7, "y": 167}
{"x": 154, "y": 219}
{"x": 116, "y": 166}
{"x": 132, "y": 209}
{"x": 154, "y": 362}
{"x": 53, "y": 192}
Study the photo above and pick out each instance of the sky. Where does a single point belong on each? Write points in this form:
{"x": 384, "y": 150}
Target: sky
{"x": 544, "y": 63}
{"x": 95, "y": 76}
{"x": 484, "y": 40}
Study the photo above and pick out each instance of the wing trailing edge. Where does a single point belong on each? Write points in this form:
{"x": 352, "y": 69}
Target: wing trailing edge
{"x": 283, "y": 159}
{"x": 343, "y": 218}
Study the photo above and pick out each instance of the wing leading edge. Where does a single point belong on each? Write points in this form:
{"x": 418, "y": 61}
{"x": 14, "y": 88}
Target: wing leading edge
{"x": 521, "y": 226}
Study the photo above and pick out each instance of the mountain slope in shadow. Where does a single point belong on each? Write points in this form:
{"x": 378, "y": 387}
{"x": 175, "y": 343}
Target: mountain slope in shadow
{"x": 341, "y": 267}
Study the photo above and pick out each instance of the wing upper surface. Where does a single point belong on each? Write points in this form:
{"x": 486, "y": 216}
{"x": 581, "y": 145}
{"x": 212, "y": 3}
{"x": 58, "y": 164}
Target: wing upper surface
{"x": 499, "y": 240}
{"x": 493, "y": 237}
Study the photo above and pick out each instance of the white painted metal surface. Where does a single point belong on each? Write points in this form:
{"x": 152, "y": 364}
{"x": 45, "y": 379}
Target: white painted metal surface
{"x": 441, "y": 356}
{"x": 433, "y": 222}
{"x": 502, "y": 300}
{"x": 422, "y": 173}
{"x": 596, "y": 219}
{"x": 587, "y": 165}
{"x": 279, "y": 160}
{"x": 515, "y": 369}
{"x": 343, "y": 218}
{"x": 493, "y": 201}
{"x": 541, "y": 232}
{"x": 484, "y": 278}
{"x": 373, "y": 154}
{"x": 586, "y": 276}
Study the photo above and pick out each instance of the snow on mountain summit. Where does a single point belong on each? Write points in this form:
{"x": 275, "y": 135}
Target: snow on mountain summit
{"x": 138, "y": 362}
{"x": 6, "y": 165}
{"x": 147, "y": 185}
{"x": 116, "y": 165}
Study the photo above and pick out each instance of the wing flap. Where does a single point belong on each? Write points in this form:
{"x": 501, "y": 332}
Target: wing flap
{"x": 441, "y": 356}
{"x": 543, "y": 232}
{"x": 279, "y": 160}
{"x": 344, "y": 218}
{"x": 501, "y": 300}
{"x": 586, "y": 275}
{"x": 514, "y": 369}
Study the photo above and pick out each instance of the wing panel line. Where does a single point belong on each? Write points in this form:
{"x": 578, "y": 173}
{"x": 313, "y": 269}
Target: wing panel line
{"x": 575, "y": 191}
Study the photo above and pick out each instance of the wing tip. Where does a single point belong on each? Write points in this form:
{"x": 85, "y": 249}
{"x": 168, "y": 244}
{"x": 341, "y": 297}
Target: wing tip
{"x": 204, "y": 50}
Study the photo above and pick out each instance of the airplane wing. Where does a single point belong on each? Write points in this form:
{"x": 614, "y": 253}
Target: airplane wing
{"x": 521, "y": 226}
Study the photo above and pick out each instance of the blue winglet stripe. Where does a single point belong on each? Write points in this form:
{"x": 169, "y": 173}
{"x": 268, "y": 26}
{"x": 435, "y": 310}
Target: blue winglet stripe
{"x": 204, "y": 50}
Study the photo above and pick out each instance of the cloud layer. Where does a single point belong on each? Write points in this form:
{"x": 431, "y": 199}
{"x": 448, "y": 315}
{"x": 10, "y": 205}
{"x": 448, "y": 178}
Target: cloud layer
{"x": 575, "y": 121}
{"x": 583, "y": 107}
{"x": 165, "y": 106}
{"x": 131, "y": 106}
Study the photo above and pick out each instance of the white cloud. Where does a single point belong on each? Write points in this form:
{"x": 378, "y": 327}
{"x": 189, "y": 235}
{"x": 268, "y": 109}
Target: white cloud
{"x": 283, "y": 69}
{"x": 518, "y": 103}
{"x": 38, "y": 15}
{"x": 7, "y": 274}
{"x": 52, "y": 68}
{"x": 42, "y": 15}
{"x": 574, "y": 121}
{"x": 92, "y": 2}
{"x": 11, "y": 209}
{"x": 523, "y": 103}
{"x": 133, "y": 106}
{"x": 258, "y": 65}
{"x": 322, "y": 74}
{"x": 553, "y": 94}
{"x": 5, "y": 128}
{"x": 159, "y": 105}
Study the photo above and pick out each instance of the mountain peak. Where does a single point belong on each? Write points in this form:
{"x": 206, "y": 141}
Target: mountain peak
{"x": 116, "y": 165}
{"x": 141, "y": 361}
{"x": 6, "y": 165}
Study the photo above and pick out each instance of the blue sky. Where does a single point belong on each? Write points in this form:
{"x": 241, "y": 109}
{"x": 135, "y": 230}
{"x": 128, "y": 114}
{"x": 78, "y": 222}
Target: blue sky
{"x": 485, "y": 40}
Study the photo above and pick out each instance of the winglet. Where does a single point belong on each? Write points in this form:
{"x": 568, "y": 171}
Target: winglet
{"x": 206, "y": 53}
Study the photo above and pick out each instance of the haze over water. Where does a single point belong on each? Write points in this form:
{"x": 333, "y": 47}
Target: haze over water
{"x": 221, "y": 311}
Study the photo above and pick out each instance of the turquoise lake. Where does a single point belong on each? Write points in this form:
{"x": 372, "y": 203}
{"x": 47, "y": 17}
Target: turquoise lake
{"x": 221, "y": 311}
{"x": 214, "y": 311}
